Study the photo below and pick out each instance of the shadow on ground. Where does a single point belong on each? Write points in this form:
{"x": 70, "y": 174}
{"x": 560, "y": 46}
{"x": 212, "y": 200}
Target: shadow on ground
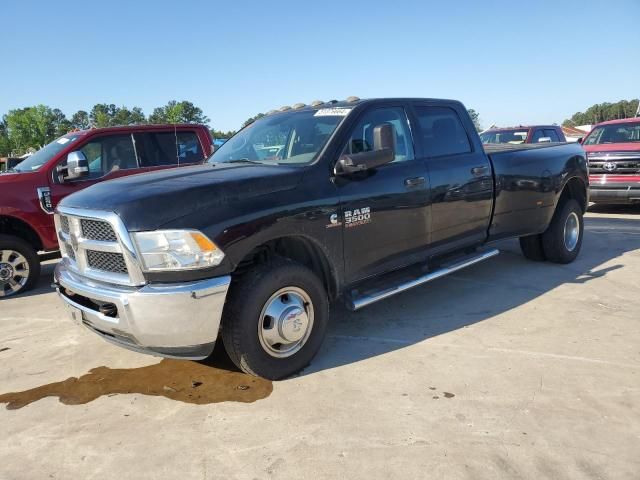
{"x": 470, "y": 296}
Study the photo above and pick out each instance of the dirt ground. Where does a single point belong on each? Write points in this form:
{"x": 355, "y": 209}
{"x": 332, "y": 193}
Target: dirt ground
{"x": 509, "y": 369}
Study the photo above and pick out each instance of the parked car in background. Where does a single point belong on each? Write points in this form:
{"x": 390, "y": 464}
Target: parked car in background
{"x": 613, "y": 151}
{"x": 521, "y": 134}
{"x": 30, "y": 190}
{"x": 351, "y": 204}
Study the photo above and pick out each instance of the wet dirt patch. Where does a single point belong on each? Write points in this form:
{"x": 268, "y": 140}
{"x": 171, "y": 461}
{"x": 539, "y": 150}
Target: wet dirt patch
{"x": 182, "y": 380}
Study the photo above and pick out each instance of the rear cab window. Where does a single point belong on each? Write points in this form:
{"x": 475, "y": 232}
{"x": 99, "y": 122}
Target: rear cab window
{"x": 157, "y": 149}
{"x": 552, "y": 134}
{"x": 441, "y": 131}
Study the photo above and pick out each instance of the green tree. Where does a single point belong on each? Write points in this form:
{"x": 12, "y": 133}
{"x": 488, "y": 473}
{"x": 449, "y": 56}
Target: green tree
{"x": 59, "y": 123}
{"x": 220, "y": 134}
{"x": 102, "y": 114}
{"x": 124, "y": 116}
{"x": 252, "y": 119}
{"x": 108, "y": 115}
{"x": 5, "y": 146}
{"x": 601, "y": 112}
{"x": 475, "y": 117}
{"x": 178, "y": 112}
{"x": 80, "y": 120}
{"x": 33, "y": 127}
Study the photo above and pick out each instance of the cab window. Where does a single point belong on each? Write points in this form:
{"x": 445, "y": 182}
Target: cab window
{"x": 361, "y": 139}
{"x": 442, "y": 132}
{"x": 157, "y": 149}
{"x": 189, "y": 148}
{"x": 552, "y": 134}
{"x": 109, "y": 154}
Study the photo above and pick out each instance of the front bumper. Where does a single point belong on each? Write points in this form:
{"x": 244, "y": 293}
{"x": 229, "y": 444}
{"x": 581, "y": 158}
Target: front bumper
{"x": 168, "y": 320}
{"x": 621, "y": 189}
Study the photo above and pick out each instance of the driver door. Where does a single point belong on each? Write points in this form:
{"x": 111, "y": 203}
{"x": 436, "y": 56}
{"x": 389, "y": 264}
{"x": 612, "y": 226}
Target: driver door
{"x": 384, "y": 210}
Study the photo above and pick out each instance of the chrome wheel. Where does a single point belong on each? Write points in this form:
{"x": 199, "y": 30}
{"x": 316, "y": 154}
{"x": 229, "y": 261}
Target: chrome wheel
{"x": 286, "y": 322}
{"x": 571, "y": 231}
{"x": 14, "y": 272}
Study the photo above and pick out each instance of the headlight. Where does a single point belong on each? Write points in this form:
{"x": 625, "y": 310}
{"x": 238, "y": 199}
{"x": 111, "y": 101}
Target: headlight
{"x": 164, "y": 250}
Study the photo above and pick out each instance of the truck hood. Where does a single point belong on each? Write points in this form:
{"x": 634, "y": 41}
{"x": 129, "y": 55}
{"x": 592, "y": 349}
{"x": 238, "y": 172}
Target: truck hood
{"x": 613, "y": 147}
{"x": 150, "y": 200}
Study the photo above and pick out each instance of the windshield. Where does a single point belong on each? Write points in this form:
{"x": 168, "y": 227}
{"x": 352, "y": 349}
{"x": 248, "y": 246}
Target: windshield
{"x": 504, "y": 136}
{"x": 42, "y": 156}
{"x": 285, "y": 138}
{"x": 616, "y": 133}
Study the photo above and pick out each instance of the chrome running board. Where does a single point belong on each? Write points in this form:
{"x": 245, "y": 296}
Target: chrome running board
{"x": 365, "y": 298}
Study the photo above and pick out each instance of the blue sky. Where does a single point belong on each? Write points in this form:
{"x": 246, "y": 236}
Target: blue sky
{"x": 514, "y": 62}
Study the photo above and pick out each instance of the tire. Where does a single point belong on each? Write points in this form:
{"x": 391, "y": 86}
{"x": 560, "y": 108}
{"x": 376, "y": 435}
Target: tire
{"x": 280, "y": 287}
{"x": 531, "y": 247}
{"x": 560, "y": 247}
{"x": 19, "y": 266}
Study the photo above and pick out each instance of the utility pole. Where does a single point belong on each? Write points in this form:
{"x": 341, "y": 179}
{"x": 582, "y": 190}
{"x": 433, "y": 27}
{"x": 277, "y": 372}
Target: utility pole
{"x": 638, "y": 110}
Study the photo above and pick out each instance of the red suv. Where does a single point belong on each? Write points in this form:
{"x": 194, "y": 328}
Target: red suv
{"x": 613, "y": 151}
{"x": 30, "y": 191}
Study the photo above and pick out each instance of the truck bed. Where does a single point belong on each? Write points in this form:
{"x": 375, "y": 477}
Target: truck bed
{"x": 527, "y": 177}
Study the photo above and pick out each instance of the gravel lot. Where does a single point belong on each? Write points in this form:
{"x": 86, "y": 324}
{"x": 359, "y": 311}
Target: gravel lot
{"x": 510, "y": 369}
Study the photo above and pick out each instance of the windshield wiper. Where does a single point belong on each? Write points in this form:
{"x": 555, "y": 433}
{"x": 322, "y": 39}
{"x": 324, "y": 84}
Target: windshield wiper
{"x": 244, "y": 160}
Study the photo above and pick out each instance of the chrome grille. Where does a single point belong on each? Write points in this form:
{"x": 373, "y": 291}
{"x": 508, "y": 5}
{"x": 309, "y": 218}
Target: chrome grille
{"x": 97, "y": 245}
{"x": 64, "y": 224}
{"x": 69, "y": 250}
{"x": 97, "y": 230}
{"x": 106, "y": 261}
{"x": 615, "y": 163}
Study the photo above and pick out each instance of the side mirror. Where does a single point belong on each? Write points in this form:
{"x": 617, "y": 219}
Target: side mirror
{"x": 384, "y": 151}
{"x": 77, "y": 166}
{"x": 544, "y": 140}
{"x": 580, "y": 140}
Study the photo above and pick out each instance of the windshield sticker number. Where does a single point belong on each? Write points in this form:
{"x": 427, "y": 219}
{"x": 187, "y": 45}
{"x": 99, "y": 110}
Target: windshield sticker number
{"x": 332, "y": 112}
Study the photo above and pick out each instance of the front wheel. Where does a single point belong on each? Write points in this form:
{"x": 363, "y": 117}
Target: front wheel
{"x": 275, "y": 319}
{"x": 19, "y": 266}
{"x": 563, "y": 238}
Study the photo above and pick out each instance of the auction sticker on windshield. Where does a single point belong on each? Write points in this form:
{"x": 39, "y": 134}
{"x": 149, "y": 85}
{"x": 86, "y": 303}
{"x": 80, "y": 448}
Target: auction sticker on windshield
{"x": 332, "y": 112}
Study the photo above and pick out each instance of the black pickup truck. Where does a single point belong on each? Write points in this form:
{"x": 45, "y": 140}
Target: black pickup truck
{"x": 354, "y": 200}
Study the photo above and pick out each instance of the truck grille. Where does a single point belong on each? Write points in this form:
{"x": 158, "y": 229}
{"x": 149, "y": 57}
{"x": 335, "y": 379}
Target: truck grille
{"x": 97, "y": 230}
{"x": 616, "y": 163}
{"x": 64, "y": 224}
{"x": 106, "y": 261}
{"x": 96, "y": 245}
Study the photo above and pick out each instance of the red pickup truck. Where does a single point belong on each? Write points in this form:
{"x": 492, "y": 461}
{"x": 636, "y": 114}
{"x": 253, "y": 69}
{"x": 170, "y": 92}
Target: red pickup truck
{"x": 613, "y": 152}
{"x": 31, "y": 190}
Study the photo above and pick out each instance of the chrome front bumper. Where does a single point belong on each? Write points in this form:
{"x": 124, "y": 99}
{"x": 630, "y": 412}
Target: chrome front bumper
{"x": 169, "y": 320}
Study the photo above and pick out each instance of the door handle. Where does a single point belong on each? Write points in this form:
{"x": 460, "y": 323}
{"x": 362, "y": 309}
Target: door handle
{"x": 477, "y": 171}
{"x": 414, "y": 182}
